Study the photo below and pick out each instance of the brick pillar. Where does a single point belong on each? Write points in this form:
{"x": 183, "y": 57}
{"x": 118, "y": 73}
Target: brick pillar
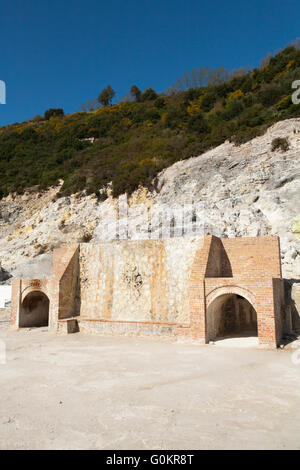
{"x": 269, "y": 331}
{"x": 54, "y": 304}
{"x": 15, "y": 303}
{"x": 197, "y": 309}
{"x": 197, "y": 290}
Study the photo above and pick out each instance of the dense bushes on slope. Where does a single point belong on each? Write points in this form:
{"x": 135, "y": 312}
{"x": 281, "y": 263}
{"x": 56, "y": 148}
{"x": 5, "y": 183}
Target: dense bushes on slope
{"x": 136, "y": 140}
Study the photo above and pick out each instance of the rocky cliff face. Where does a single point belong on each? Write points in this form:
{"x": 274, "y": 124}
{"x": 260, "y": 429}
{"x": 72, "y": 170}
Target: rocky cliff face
{"x": 245, "y": 190}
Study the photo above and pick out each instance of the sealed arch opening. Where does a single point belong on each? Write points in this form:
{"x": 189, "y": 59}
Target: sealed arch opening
{"x": 34, "y": 311}
{"x": 231, "y": 316}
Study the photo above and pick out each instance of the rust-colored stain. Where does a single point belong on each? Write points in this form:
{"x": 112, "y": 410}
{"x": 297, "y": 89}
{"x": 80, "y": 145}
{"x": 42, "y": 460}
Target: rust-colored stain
{"x": 108, "y": 292}
{"x": 159, "y": 295}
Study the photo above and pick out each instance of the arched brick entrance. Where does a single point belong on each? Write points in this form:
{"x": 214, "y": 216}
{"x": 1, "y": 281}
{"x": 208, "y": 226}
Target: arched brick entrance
{"x": 230, "y": 315}
{"x": 230, "y": 312}
{"x": 34, "y": 310}
{"x": 231, "y": 289}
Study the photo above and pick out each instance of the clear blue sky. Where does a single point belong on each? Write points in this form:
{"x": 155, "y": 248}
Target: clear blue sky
{"x": 61, "y": 53}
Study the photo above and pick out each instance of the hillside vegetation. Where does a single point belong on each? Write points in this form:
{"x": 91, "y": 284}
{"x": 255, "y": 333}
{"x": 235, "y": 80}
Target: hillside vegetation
{"x": 133, "y": 141}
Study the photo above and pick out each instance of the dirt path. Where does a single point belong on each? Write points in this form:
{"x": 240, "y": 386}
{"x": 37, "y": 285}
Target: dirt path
{"x": 91, "y": 392}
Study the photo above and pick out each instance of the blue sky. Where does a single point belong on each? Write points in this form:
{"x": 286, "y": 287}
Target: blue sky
{"x": 61, "y": 53}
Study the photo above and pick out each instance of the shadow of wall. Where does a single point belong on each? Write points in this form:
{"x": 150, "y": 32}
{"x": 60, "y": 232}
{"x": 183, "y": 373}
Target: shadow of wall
{"x": 292, "y": 298}
{"x": 218, "y": 264}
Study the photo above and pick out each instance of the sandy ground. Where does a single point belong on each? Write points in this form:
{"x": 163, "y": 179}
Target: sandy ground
{"x": 92, "y": 392}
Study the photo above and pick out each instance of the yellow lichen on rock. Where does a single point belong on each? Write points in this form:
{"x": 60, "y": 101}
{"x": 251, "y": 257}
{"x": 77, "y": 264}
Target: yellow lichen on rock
{"x": 141, "y": 196}
{"x": 29, "y": 229}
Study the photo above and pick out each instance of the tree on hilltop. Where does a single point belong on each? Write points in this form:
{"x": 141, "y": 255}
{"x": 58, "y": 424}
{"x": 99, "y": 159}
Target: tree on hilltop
{"x": 54, "y": 112}
{"x": 106, "y": 96}
{"x": 136, "y": 93}
{"x": 149, "y": 95}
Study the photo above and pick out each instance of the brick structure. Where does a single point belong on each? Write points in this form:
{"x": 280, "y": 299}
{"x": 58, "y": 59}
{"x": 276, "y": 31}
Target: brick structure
{"x": 200, "y": 288}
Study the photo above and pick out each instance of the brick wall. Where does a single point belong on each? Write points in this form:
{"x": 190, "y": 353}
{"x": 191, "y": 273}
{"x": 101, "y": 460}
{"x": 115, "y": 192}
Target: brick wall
{"x": 246, "y": 267}
{"x": 250, "y": 257}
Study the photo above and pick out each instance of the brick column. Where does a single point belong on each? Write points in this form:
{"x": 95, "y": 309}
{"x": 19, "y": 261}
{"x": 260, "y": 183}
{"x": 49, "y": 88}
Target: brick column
{"x": 197, "y": 309}
{"x": 197, "y": 290}
{"x": 268, "y": 327}
{"x": 54, "y": 304}
{"x": 15, "y": 303}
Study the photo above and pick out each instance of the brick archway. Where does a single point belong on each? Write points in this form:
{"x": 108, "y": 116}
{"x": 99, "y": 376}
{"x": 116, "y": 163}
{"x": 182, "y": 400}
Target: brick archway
{"x": 218, "y": 291}
{"x": 35, "y": 285}
{"x": 34, "y": 310}
{"x": 230, "y": 313}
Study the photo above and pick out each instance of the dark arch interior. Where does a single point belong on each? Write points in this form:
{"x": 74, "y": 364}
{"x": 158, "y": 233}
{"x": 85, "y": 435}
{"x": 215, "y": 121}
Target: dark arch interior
{"x": 34, "y": 311}
{"x": 231, "y": 316}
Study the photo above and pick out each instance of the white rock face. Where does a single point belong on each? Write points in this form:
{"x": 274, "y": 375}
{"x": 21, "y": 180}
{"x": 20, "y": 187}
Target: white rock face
{"x": 247, "y": 190}
{"x": 243, "y": 191}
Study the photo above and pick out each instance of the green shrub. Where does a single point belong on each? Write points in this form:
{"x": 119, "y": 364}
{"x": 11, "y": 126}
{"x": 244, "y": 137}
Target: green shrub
{"x": 54, "y": 112}
{"x": 280, "y": 143}
{"x": 149, "y": 95}
{"x": 270, "y": 95}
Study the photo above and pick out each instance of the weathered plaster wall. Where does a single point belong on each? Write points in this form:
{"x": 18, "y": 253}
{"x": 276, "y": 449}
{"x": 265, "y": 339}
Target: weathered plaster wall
{"x": 137, "y": 280}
